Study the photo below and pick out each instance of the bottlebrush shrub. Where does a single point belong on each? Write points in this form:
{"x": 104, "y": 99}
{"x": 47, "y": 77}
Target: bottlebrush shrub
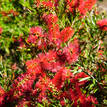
{"x": 52, "y": 53}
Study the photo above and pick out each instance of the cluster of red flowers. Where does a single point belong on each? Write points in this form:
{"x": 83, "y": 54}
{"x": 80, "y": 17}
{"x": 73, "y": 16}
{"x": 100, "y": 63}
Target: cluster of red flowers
{"x": 37, "y": 84}
{"x": 47, "y": 3}
{"x": 47, "y": 74}
{"x": 83, "y": 6}
{"x": 37, "y": 37}
{"x": 53, "y": 38}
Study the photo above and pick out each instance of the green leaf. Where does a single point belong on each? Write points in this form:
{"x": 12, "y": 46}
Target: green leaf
{"x": 40, "y": 105}
{"x": 25, "y": 3}
{"x": 83, "y": 79}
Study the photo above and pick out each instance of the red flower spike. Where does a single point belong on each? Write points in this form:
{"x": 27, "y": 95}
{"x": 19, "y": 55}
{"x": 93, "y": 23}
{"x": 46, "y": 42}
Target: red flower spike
{"x": 92, "y": 99}
{"x": 32, "y": 39}
{"x": 56, "y": 3}
{"x": 36, "y": 30}
{"x": 72, "y": 5}
{"x": 2, "y": 92}
{"x": 60, "y": 77}
{"x": 1, "y": 30}
{"x": 48, "y": 4}
{"x": 50, "y": 19}
{"x": 66, "y": 34}
{"x": 102, "y": 24}
{"x": 2, "y": 96}
{"x": 85, "y": 6}
{"x": 62, "y": 102}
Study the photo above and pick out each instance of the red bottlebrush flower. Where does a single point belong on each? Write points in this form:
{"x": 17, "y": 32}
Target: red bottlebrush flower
{"x": 41, "y": 44}
{"x": 56, "y": 3}
{"x": 66, "y": 34}
{"x": 82, "y": 9}
{"x": 54, "y": 33}
{"x": 69, "y": 54}
{"x": 62, "y": 102}
{"x": 32, "y": 39}
{"x": 55, "y": 66}
{"x": 102, "y": 24}
{"x": 43, "y": 82}
{"x": 2, "y": 92}
{"x": 85, "y": 6}
{"x": 46, "y": 61}
{"x": 43, "y": 62}
{"x": 81, "y": 75}
{"x": 42, "y": 97}
{"x": 100, "y": 53}
{"x": 36, "y": 30}
{"x": 72, "y": 4}
{"x": 92, "y": 100}
{"x": 90, "y": 3}
{"x": 62, "y": 56}
{"x": 57, "y": 80}
{"x": 37, "y": 3}
{"x": 60, "y": 77}
{"x": 48, "y": 4}
{"x": 74, "y": 57}
{"x": 74, "y": 46}
{"x": 54, "y": 30}
{"x": 50, "y": 19}
{"x": 75, "y": 94}
{"x": 51, "y": 55}
{"x": 1, "y": 30}
{"x": 82, "y": 100}
{"x": 22, "y": 86}
{"x": 33, "y": 66}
